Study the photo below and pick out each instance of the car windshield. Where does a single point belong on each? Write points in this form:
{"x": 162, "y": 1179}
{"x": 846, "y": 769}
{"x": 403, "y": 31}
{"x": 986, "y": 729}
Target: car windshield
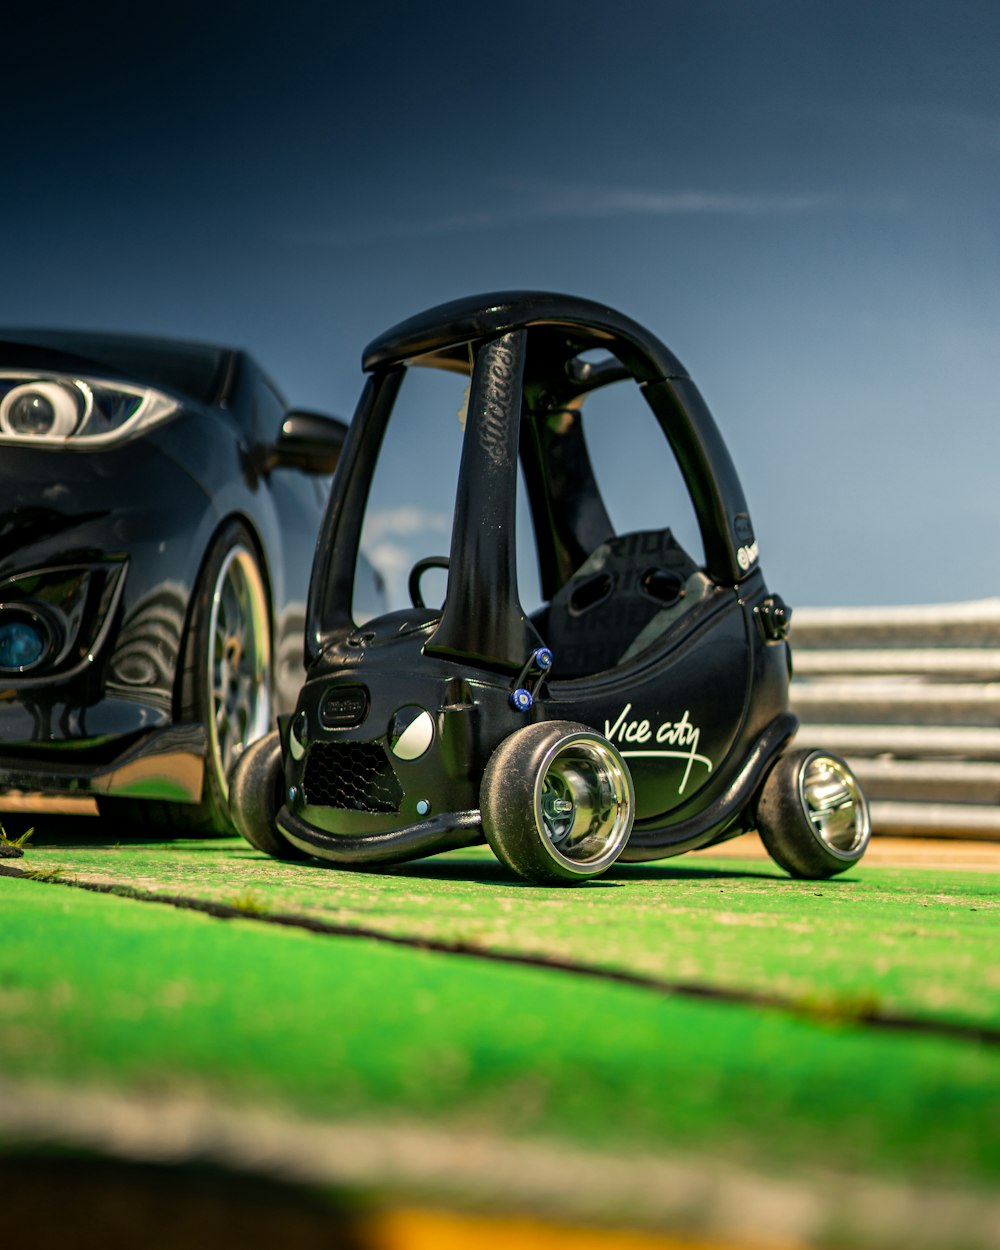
{"x": 195, "y": 369}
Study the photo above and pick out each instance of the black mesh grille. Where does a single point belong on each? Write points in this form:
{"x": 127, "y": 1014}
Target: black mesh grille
{"x": 351, "y": 776}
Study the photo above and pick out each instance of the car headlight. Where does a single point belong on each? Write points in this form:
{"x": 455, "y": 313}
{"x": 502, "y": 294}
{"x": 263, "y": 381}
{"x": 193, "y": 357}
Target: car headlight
{"x": 25, "y": 639}
{"x": 59, "y": 410}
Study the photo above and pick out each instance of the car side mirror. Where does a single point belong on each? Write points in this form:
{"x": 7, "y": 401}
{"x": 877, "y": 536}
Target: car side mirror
{"x": 309, "y": 441}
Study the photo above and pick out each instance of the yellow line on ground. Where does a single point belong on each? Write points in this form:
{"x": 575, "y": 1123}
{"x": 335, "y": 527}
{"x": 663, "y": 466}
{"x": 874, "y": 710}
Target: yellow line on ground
{"x": 416, "y": 1229}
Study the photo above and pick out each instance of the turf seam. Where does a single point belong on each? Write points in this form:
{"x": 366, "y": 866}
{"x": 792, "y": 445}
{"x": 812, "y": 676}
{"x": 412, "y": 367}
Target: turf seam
{"x": 832, "y": 1015}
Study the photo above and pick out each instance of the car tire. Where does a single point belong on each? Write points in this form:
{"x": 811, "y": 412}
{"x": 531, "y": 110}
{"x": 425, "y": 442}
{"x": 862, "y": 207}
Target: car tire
{"x": 256, "y": 792}
{"x": 812, "y": 815}
{"x": 557, "y": 803}
{"x": 225, "y": 683}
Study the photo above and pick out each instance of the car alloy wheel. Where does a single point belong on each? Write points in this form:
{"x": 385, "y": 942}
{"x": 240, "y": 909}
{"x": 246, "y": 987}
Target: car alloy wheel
{"x": 238, "y": 661}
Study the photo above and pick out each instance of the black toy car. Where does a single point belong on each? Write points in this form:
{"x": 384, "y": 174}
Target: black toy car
{"x": 158, "y": 512}
{"x": 642, "y": 711}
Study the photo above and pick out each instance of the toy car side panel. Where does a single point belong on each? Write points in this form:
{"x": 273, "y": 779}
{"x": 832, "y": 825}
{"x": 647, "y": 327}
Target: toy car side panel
{"x": 675, "y": 716}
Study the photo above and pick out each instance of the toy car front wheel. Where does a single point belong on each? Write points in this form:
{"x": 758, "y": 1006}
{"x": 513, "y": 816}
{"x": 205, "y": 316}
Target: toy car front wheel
{"x": 557, "y": 803}
{"x": 256, "y": 787}
{"x": 812, "y": 815}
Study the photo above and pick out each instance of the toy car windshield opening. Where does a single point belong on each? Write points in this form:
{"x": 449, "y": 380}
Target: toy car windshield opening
{"x": 600, "y": 572}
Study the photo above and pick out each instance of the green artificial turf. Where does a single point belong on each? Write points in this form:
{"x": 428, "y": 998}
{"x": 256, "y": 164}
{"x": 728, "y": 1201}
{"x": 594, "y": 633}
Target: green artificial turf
{"x": 100, "y": 989}
{"x": 895, "y": 942}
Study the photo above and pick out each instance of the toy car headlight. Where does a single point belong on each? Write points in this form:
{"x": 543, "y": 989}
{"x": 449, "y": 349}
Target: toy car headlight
{"x": 57, "y": 410}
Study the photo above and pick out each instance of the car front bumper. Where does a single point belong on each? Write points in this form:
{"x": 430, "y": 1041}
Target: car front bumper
{"x": 166, "y": 764}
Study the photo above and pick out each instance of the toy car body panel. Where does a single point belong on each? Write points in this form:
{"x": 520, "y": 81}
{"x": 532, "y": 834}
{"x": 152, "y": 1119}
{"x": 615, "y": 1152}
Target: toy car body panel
{"x": 149, "y": 491}
{"x": 665, "y": 680}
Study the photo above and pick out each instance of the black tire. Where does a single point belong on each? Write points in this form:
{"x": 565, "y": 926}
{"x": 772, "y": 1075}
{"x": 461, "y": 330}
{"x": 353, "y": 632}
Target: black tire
{"x": 256, "y": 792}
{"x": 225, "y": 683}
{"x": 812, "y": 815}
{"x": 540, "y": 766}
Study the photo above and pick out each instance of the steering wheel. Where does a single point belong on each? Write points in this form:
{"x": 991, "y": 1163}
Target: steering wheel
{"x": 417, "y": 572}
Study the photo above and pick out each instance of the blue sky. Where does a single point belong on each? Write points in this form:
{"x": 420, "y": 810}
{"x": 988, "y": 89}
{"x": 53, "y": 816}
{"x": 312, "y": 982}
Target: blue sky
{"x": 800, "y": 198}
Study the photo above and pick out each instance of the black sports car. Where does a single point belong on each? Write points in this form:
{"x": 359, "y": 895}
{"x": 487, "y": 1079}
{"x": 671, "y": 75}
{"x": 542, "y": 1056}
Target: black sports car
{"x": 159, "y": 505}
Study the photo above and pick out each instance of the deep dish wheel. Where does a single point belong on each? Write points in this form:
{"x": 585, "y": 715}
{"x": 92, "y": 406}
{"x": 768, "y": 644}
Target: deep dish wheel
{"x": 256, "y": 792}
{"x": 812, "y": 815}
{"x": 557, "y": 803}
{"x": 237, "y": 655}
{"x": 225, "y": 682}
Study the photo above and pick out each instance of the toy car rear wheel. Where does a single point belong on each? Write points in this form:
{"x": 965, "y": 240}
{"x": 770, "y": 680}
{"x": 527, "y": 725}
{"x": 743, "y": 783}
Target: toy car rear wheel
{"x": 225, "y": 682}
{"x": 812, "y": 815}
{"x": 256, "y": 792}
{"x": 557, "y": 803}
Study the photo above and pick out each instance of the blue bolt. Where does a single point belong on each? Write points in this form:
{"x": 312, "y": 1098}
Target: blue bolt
{"x": 293, "y": 793}
{"x": 521, "y": 700}
{"x": 543, "y": 658}
{"x": 423, "y": 807}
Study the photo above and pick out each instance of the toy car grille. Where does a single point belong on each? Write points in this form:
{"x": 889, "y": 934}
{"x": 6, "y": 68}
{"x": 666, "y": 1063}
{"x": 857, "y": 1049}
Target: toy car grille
{"x": 351, "y": 776}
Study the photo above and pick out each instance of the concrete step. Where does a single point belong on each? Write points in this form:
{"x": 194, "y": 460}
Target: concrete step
{"x": 935, "y": 663}
{"x": 898, "y": 701}
{"x": 972, "y": 624}
{"x": 930, "y": 781}
{"x": 938, "y": 820}
{"x": 902, "y": 741}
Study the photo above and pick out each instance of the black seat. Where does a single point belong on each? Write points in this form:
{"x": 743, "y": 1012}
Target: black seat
{"x": 625, "y": 583}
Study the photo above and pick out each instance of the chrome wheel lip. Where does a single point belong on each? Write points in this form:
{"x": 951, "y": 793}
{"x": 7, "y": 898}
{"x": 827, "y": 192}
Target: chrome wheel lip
{"x": 624, "y": 791}
{"x": 238, "y": 671}
{"x": 861, "y": 813}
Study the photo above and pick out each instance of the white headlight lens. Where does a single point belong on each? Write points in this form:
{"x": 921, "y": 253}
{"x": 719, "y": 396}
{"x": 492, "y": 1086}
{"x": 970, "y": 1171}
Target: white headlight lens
{"x": 43, "y": 409}
{"x": 70, "y": 411}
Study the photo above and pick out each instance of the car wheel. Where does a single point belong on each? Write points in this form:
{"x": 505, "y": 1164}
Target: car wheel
{"x": 256, "y": 792}
{"x": 557, "y": 803}
{"x": 225, "y": 682}
{"x": 812, "y": 815}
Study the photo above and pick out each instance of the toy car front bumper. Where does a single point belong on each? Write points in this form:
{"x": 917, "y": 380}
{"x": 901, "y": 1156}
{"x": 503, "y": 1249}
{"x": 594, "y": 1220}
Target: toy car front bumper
{"x": 446, "y": 832}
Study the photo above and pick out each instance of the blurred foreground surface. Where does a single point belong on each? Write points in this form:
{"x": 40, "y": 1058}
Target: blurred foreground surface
{"x": 702, "y": 1051}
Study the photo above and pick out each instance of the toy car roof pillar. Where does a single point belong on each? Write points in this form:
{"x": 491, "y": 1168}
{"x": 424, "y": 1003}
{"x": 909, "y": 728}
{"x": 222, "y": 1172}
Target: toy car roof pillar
{"x": 716, "y": 493}
{"x": 482, "y": 619}
{"x": 331, "y": 588}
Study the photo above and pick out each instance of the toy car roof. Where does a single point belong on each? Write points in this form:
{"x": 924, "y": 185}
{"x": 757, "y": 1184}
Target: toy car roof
{"x": 439, "y": 335}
